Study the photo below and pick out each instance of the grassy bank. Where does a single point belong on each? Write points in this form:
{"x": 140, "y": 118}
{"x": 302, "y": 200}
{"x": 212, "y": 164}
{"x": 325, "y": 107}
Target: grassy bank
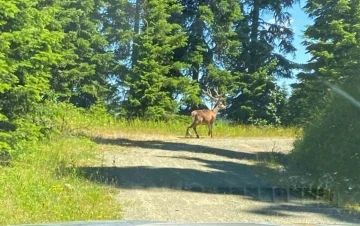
{"x": 178, "y": 128}
{"x": 38, "y": 187}
{"x": 98, "y": 121}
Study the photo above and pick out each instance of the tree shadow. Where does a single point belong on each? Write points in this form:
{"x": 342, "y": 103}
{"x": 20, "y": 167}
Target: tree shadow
{"x": 178, "y": 146}
{"x": 215, "y": 177}
{"x": 319, "y": 208}
{"x": 223, "y": 181}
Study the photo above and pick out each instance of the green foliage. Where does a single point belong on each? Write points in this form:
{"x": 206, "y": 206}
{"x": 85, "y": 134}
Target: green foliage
{"x": 63, "y": 64}
{"x": 307, "y": 100}
{"x": 47, "y": 120}
{"x": 211, "y": 37}
{"x": 39, "y": 187}
{"x": 65, "y": 118}
{"x": 82, "y": 77}
{"x": 151, "y": 82}
{"x": 265, "y": 37}
{"x": 260, "y": 101}
{"x": 28, "y": 51}
{"x": 260, "y": 60}
{"x": 327, "y": 155}
{"x": 42, "y": 174}
{"x": 224, "y": 80}
{"x": 329, "y": 148}
{"x": 333, "y": 41}
{"x": 161, "y": 53}
{"x": 144, "y": 58}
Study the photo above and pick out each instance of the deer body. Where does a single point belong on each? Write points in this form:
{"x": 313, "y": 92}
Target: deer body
{"x": 205, "y": 117}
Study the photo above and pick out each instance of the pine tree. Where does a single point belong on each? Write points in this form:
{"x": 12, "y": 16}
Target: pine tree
{"x": 152, "y": 86}
{"x": 82, "y": 80}
{"x": 28, "y": 51}
{"x": 262, "y": 59}
{"x": 211, "y": 43}
{"x": 333, "y": 42}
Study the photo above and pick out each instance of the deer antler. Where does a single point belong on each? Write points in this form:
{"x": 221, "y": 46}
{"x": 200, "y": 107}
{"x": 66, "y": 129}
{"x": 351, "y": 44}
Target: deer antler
{"x": 208, "y": 92}
{"x": 216, "y": 91}
{"x": 218, "y": 97}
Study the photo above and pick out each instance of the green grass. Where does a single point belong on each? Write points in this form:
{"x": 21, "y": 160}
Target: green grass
{"x": 39, "y": 187}
{"x": 97, "y": 120}
{"x": 178, "y": 128}
{"x": 41, "y": 184}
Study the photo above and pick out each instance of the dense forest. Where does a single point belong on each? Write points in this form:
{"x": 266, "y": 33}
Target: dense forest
{"x": 150, "y": 59}
{"x": 147, "y": 59}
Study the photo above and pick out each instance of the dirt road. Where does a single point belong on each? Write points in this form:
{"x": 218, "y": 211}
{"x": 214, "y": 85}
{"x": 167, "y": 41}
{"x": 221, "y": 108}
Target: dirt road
{"x": 174, "y": 179}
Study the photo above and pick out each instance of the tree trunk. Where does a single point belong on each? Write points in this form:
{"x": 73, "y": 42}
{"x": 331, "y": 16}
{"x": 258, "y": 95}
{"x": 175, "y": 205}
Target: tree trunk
{"x": 135, "y": 52}
{"x": 254, "y": 36}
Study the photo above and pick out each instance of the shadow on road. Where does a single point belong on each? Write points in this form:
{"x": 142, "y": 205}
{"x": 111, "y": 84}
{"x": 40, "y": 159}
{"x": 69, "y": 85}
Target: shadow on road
{"x": 321, "y": 209}
{"x": 190, "y": 180}
{"x": 223, "y": 177}
{"x": 177, "y": 146}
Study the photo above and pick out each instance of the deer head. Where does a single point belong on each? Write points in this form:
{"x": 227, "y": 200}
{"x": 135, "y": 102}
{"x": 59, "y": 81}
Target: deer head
{"x": 218, "y": 99}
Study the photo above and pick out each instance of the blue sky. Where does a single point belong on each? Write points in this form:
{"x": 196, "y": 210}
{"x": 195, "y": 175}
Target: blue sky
{"x": 299, "y": 22}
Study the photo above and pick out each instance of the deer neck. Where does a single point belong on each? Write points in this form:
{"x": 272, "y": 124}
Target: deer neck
{"x": 216, "y": 109}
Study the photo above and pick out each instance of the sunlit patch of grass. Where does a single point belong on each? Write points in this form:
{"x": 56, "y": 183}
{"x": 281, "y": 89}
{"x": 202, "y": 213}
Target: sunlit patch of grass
{"x": 178, "y": 128}
{"x": 348, "y": 200}
{"x": 353, "y": 207}
{"x": 41, "y": 186}
{"x": 228, "y": 130}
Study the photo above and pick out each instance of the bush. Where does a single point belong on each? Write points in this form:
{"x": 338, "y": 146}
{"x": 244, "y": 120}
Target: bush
{"x": 48, "y": 119}
{"x": 329, "y": 149}
{"x": 42, "y": 183}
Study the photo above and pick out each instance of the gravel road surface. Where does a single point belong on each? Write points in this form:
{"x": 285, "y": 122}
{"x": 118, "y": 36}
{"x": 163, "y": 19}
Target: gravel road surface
{"x": 173, "y": 179}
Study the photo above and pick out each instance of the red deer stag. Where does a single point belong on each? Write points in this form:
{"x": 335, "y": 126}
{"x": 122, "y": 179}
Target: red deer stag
{"x": 206, "y": 117}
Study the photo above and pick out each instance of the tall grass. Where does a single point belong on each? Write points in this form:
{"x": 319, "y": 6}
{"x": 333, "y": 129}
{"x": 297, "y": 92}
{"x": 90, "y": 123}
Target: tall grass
{"x": 41, "y": 184}
{"x": 176, "y": 127}
{"x": 39, "y": 187}
{"x": 99, "y": 121}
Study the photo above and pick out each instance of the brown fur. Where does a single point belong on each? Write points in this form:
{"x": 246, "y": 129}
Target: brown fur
{"x": 204, "y": 117}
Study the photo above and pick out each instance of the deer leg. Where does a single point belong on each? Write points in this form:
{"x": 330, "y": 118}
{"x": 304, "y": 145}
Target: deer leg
{"x": 197, "y": 135}
{"x": 210, "y": 129}
{"x": 188, "y": 132}
{"x": 209, "y": 132}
